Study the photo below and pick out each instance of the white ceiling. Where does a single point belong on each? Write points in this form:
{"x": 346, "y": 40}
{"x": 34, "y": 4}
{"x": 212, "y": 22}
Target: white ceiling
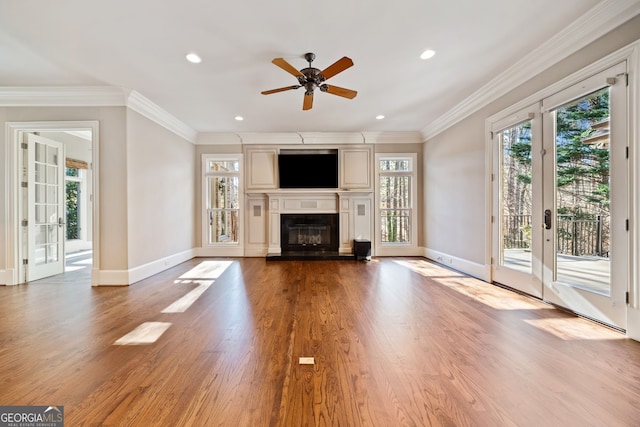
{"x": 141, "y": 45}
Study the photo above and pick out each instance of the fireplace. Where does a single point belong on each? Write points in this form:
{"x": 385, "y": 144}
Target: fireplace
{"x": 309, "y": 233}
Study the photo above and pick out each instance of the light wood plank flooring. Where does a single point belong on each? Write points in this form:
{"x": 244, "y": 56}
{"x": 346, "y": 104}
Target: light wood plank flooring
{"x": 396, "y": 342}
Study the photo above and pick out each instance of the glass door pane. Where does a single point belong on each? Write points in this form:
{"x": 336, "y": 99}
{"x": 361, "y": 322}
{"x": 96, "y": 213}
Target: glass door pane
{"x": 582, "y": 193}
{"x": 223, "y": 205}
{"x": 516, "y": 209}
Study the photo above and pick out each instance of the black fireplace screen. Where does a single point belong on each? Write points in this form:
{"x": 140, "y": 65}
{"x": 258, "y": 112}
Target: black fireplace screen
{"x": 309, "y": 235}
{"x": 314, "y": 232}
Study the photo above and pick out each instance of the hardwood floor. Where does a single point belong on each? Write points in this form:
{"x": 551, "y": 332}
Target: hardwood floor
{"x": 396, "y": 342}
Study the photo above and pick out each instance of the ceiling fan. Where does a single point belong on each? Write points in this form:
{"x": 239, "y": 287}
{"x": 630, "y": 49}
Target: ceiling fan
{"x": 311, "y": 78}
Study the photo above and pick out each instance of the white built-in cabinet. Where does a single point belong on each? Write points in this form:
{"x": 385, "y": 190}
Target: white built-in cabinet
{"x": 256, "y": 224}
{"x": 262, "y": 168}
{"x": 353, "y": 201}
{"x": 355, "y": 168}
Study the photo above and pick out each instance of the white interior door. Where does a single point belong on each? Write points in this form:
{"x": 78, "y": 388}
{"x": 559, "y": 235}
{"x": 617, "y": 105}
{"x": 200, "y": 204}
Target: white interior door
{"x": 560, "y": 213}
{"x": 585, "y": 198}
{"x": 46, "y": 207}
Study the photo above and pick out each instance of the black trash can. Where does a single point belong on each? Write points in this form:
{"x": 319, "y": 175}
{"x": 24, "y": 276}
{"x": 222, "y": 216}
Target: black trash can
{"x": 362, "y": 249}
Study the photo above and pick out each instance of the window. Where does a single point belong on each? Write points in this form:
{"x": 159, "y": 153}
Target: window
{"x": 222, "y": 199}
{"x": 73, "y": 181}
{"x": 396, "y": 196}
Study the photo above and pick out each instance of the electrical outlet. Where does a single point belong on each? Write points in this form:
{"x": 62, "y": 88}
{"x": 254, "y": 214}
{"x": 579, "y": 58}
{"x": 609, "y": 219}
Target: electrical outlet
{"x": 306, "y": 361}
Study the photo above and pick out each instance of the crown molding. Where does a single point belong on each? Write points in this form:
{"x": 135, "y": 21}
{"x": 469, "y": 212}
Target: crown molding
{"x": 218, "y": 138}
{"x": 63, "y": 96}
{"x": 320, "y": 138}
{"x": 601, "y": 19}
{"x": 268, "y": 138}
{"x": 155, "y": 113}
{"x": 408, "y": 137}
{"x": 93, "y": 96}
{"x": 307, "y": 138}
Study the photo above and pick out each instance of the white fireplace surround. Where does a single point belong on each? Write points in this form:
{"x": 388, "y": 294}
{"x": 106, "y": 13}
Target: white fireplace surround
{"x": 353, "y": 209}
{"x": 352, "y": 201}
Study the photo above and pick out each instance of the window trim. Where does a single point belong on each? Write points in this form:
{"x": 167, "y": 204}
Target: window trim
{"x": 398, "y": 248}
{"x": 224, "y": 248}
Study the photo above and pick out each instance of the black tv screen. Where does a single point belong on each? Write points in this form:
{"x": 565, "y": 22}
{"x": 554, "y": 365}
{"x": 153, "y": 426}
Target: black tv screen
{"x": 318, "y": 170}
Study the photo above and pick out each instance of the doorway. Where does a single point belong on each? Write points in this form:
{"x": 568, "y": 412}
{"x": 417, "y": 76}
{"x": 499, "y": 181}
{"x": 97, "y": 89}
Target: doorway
{"x": 53, "y": 200}
{"x": 560, "y": 203}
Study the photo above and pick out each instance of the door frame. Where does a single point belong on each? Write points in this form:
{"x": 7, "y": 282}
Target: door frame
{"x": 13, "y": 133}
{"x": 631, "y": 54}
{"x": 610, "y": 309}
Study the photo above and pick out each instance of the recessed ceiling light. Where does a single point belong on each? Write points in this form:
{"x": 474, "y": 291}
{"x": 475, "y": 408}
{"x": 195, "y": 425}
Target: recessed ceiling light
{"x": 427, "y": 54}
{"x": 379, "y": 117}
{"x": 194, "y": 58}
{"x": 239, "y": 118}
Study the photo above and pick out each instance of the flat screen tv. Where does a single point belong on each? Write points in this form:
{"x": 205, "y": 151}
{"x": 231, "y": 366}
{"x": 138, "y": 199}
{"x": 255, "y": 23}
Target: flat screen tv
{"x": 308, "y": 170}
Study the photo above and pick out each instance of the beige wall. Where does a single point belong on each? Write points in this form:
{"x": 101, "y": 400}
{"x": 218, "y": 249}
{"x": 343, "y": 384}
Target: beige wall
{"x": 160, "y": 171}
{"x": 113, "y": 220}
{"x": 455, "y": 169}
{"x": 146, "y": 179}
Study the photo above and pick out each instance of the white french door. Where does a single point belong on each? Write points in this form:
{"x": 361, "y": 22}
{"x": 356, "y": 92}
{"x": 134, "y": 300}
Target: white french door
{"x": 560, "y": 215}
{"x": 517, "y": 184}
{"x": 45, "y": 207}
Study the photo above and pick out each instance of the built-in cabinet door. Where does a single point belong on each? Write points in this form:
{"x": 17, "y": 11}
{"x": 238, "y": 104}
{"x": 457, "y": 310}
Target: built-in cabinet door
{"x": 355, "y": 168}
{"x": 262, "y": 168}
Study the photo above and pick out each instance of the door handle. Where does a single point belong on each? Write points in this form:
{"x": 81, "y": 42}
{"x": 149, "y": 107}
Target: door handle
{"x": 547, "y": 219}
{"x": 61, "y": 223}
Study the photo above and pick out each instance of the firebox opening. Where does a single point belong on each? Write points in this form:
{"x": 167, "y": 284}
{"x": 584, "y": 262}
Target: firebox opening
{"x": 304, "y": 233}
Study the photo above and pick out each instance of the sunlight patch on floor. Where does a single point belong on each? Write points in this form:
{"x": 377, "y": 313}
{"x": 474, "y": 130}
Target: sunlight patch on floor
{"x": 182, "y": 304}
{"x": 207, "y": 270}
{"x": 485, "y": 293}
{"x": 575, "y": 328}
{"x": 146, "y": 333}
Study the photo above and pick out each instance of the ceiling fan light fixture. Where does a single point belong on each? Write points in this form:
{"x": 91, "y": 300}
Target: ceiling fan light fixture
{"x": 193, "y": 57}
{"x": 427, "y": 54}
{"x": 311, "y": 78}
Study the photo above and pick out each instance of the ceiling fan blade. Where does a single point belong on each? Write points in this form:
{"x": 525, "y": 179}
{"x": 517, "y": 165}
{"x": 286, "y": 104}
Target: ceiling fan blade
{"x": 340, "y": 91}
{"x": 281, "y": 89}
{"x": 308, "y": 101}
{"x": 280, "y": 62}
{"x": 337, "y": 67}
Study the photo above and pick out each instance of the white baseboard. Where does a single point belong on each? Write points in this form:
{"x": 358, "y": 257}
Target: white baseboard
{"x": 6, "y": 278}
{"x": 479, "y": 271}
{"x": 258, "y": 252}
{"x": 633, "y": 323}
{"x": 222, "y": 251}
{"x": 133, "y": 275}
